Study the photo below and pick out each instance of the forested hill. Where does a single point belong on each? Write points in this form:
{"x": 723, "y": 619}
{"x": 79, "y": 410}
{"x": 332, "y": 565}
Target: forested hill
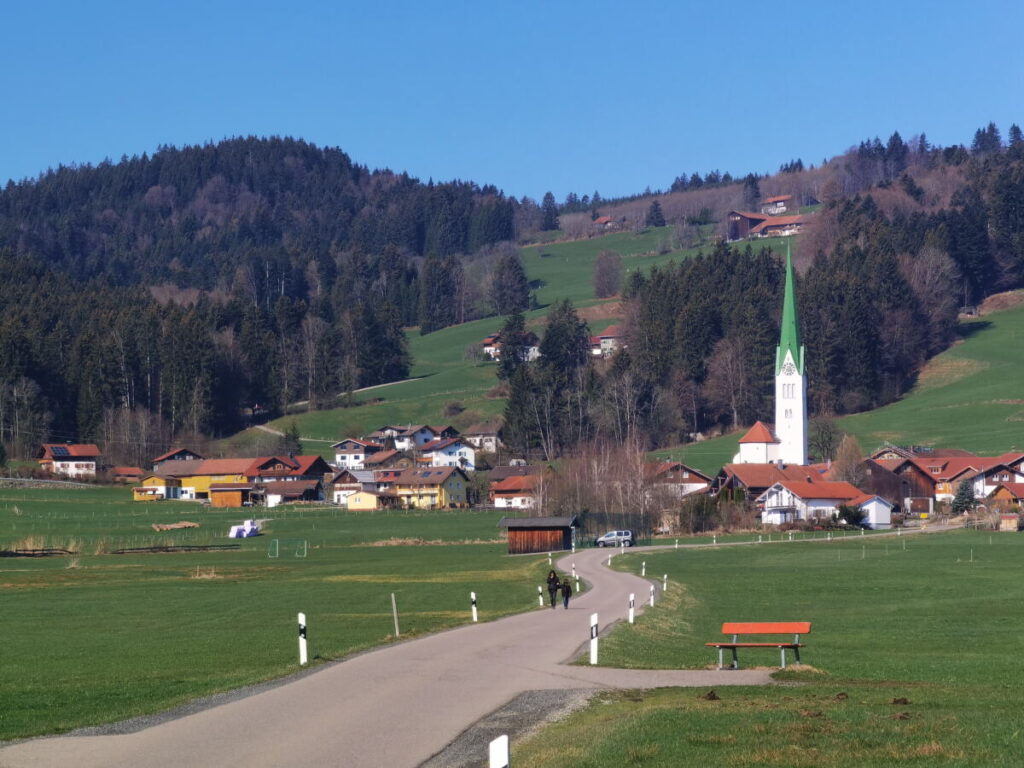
{"x": 181, "y": 288}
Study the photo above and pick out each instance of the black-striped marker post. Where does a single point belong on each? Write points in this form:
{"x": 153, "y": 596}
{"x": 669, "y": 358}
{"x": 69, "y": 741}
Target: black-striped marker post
{"x": 472, "y": 600}
{"x": 652, "y": 595}
{"x": 593, "y": 638}
{"x": 540, "y": 596}
{"x": 632, "y": 606}
{"x": 303, "y": 657}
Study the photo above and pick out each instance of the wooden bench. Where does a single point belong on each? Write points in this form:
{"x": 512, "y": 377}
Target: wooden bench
{"x": 736, "y": 629}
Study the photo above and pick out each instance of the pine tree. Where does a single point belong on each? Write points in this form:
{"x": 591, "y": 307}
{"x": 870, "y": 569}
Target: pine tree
{"x": 291, "y": 442}
{"x": 549, "y": 213}
{"x": 514, "y": 341}
{"x": 510, "y": 287}
{"x": 655, "y": 218}
{"x": 751, "y": 192}
{"x": 964, "y": 500}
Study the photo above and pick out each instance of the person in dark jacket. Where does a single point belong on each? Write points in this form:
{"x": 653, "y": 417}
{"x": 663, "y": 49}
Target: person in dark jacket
{"x": 553, "y": 586}
{"x": 566, "y": 592}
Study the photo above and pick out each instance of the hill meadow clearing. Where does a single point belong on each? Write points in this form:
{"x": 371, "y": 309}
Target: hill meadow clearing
{"x": 966, "y": 397}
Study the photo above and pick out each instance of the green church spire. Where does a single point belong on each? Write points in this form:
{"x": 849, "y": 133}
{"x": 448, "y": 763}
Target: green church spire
{"x": 789, "y": 339}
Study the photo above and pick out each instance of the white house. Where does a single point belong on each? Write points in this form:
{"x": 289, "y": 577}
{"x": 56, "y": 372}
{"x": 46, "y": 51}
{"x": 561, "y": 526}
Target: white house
{"x": 878, "y": 511}
{"x": 450, "y": 452}
{"x": 351, "y": 452}
{"x": 758, "y": 446}
{"x": 483, "y": 437}
{"x": 74, "y": 460}
{"x": 516, "y": 491}
{"x": 788, "y": 501}
{"x": 676, "y": 477}
{"x": 350, "y": 481}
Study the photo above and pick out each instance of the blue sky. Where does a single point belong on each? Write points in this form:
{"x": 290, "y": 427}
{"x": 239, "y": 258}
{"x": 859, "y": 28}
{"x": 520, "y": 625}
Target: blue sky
{"x": 528, "y": 96}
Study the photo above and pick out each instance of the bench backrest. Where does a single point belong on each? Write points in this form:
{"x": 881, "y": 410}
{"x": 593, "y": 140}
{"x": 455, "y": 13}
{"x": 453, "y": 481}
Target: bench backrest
{"x": 766, "y": 628}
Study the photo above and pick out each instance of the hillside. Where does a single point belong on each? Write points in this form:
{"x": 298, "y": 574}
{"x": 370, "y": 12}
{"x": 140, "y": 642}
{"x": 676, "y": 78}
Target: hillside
{"x": 966, "y": 397}
{"x": 558, "y": 270}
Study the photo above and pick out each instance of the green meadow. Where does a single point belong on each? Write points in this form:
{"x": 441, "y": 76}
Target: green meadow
{"x": 911, "y": 659}
{"x": 969, "y": 396}
{"x": 441, "y": 373}
{"x": 97, "y": 637}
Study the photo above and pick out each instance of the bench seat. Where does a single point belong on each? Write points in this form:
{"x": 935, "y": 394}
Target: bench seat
{"x": 795, "y": 628}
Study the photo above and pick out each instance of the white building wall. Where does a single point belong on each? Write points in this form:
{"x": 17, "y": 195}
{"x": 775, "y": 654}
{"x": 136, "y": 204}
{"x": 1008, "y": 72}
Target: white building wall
{"x": 791, "y": 413}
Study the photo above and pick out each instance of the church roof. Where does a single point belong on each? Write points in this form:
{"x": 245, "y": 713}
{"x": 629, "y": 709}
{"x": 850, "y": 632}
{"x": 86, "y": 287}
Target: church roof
{"x": 759, "y": 433}
{"x": 789, "y": 338}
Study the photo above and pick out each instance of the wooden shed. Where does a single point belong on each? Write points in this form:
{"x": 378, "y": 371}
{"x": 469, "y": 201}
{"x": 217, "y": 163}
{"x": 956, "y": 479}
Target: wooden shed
{"x": 539, "y": 534}
{"x": 230, "y": 494}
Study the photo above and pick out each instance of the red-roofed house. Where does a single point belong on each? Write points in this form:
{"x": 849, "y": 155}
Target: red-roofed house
{"x": 773, "y": 206}
{"x": 351, "y": 452}
{"x": 450, "y": 452}
{"x": 748, "y": 481}
{"x": 74, "y": 460}
{"x": 741, "y": 222}
{"x": 779, "y": 226}
{"x": 605, "y": 343}
{"x": 517, "y": 491}
{"x": 176, "y": 454}
{"x": 126, "y": 474}
{"x": 788, "y": 501}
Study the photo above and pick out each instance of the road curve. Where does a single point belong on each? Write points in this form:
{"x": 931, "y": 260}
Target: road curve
{"x": 395, "y": 706}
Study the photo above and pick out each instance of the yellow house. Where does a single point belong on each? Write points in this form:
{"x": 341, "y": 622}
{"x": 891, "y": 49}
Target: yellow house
{"x": 432, "y": 488}
{"x": 196, "y": 480}
{"x": 365, "y": 501}
{"x": 156, "y": 487}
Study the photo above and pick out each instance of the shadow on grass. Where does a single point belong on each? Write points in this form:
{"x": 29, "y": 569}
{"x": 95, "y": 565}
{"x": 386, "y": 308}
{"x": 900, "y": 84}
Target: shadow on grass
{"x": 966, "y": 330}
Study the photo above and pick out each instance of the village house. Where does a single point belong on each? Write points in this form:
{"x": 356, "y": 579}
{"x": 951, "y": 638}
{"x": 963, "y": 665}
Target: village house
{"x": 410, "y": 436}
{"x": 739, "y": 482}
{"x": 351, "y": 452}
{"x": 435, "y": 488}
{"x": 1006, "y": 495}
{"x": 516, "y": 491}
{"x": 72, "y": 460}
{"x": 676, "y": 477}
{"x": 233, "y": 494}
{"x": 156, "y": 486}
{"x": 531, "y": 346}
{"x": 451, "y": 452}
{"x": 126, "y": 475}
{"x": 389, "y": 459}
{"x": 177, "y": 454}
{"x": 368, "y": 501}
{"x": 350, "y": 481}
{"x": 773, "y": 206}
{"x": 484, "y": 437}
{"x": 605, "y": 343}
{"x": 744, "y": 224}
{"x": 285, "y": 492}
{"x": 788, "y": 501}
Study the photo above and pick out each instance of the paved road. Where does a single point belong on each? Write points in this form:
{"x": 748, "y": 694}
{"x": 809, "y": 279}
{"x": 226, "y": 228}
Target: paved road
{"x": 392, "y": 707}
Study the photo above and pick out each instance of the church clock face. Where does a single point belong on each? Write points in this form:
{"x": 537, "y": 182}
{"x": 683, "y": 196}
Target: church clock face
{"x": 788, "y": 369}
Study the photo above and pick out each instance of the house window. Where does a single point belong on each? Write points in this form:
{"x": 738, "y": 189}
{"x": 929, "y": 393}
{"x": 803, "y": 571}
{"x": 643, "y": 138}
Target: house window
{"x": 935, "y": 470}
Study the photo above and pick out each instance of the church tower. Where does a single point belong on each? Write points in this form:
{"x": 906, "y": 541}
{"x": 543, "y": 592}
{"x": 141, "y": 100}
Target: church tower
{"x": 790, "y": 384}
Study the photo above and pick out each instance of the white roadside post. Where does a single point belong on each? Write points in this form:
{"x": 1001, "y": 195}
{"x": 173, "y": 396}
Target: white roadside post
{"x": 540, "y": 596}
{"x": 643, "y": 568}
{"x": 577, "y": 585}
{"x": 549, "y": 558}
{"x": 632, "y": 605}
{"x": 574, "y": 571}
{"x": 609, "y": 558}
{"x": 394, "y": 613}
{"x": 303, "y": 657}
{"x": 472, "y": 599}
{"x": 664, "y": 583}
{"x": 652, "y": 595}
{"x": 593, "y": 638}
{"x": 498, "y": 753}
{"x": 677, "y": 543}
{"x": 714, "y": 538}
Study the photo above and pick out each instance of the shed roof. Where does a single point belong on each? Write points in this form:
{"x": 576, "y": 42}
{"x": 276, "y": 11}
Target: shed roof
{"x": 538, "y": 522}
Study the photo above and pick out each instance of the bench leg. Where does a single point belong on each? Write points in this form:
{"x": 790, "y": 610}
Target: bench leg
{"x": 735, "y": 660}
{"x": 796, "y": 652}
{"x": 782, "y": 653}
{"x": 721, "y": 663}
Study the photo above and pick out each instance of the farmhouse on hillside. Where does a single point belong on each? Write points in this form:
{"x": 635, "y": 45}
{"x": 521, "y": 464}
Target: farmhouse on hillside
{"x": 774, "y": 206}
{"x": 352, "y": 452}
{"x": 484, "y": 437}
{"x": 605, "y": 343}
{"x": 176, "y": 454}
{"x": 448, "y": 452}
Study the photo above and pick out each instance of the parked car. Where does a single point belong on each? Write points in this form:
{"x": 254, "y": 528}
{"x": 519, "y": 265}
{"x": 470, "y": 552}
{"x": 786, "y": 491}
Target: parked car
{"x": 615, "y": 539}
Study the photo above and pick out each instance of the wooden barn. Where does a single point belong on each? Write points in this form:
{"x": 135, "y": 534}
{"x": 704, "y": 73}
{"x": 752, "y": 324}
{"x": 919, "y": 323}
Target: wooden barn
{"x": 539, "y": 534}
{"x": 231, "y": 494}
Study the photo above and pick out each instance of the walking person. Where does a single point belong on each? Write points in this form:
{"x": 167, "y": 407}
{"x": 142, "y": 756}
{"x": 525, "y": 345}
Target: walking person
{"x": 553, "y": 587}
{"x": 566, "y": 593}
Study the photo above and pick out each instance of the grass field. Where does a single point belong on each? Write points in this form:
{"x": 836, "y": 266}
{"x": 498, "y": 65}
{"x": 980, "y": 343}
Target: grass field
{"x": 935, "y": 624}
{"x": 100, "y": 637}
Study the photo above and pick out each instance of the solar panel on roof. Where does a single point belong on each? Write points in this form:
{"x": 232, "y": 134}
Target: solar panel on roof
{"x": 60, "y": 450}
